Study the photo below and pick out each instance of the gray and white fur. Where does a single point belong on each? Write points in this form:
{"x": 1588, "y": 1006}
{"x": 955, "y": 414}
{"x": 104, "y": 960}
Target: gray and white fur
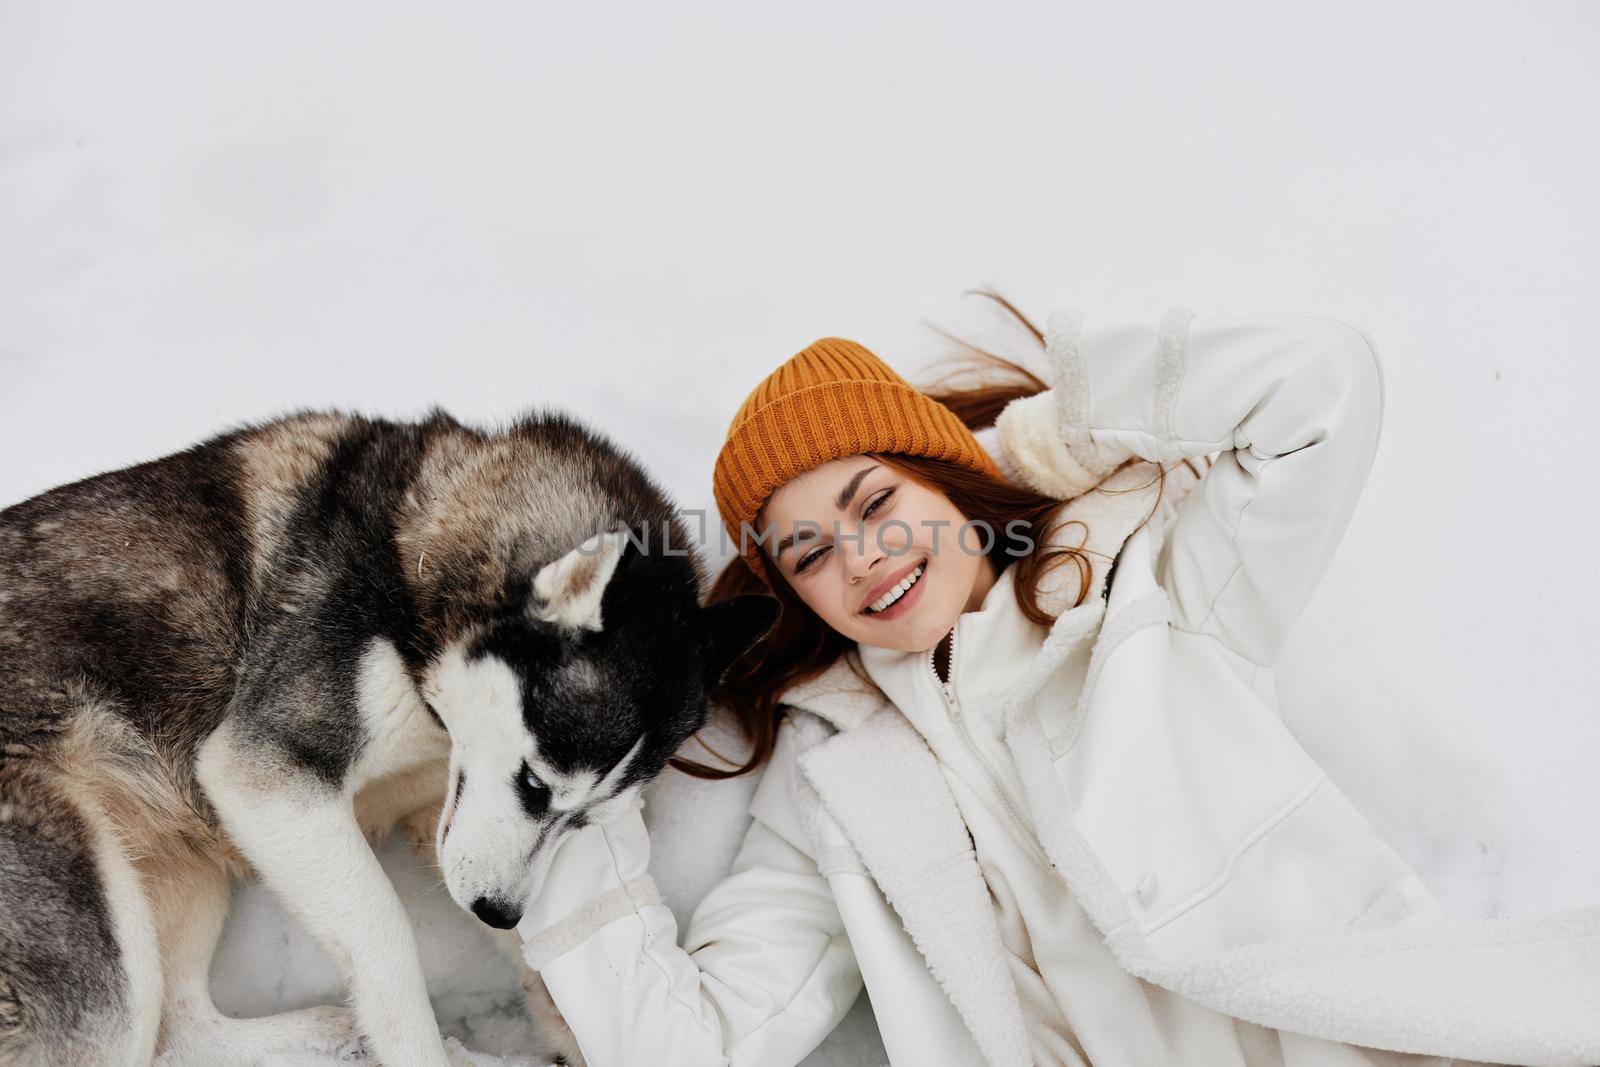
{"x": 252, "y": 655}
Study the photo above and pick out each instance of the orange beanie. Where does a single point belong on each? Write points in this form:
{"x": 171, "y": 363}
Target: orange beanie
{"x": 833, "y": 398}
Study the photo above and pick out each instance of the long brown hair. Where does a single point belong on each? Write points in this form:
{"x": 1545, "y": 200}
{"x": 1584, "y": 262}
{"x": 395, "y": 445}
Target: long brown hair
{"x": 801, "y": 646}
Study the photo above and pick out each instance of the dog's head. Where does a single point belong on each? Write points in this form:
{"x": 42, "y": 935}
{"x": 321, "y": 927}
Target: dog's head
{"x": 560, "y": 710}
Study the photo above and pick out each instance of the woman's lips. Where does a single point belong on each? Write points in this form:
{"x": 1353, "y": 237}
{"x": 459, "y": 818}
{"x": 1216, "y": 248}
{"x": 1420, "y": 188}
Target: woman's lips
{"x": 907, "y": 599}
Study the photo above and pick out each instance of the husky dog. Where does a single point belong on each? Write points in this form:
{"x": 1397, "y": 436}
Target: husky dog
{"x": 251, "y": 654}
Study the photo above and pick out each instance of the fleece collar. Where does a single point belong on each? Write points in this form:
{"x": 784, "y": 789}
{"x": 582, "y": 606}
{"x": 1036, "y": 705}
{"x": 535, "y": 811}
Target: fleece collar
{"x": 904, "y": 825}
{"x": 883, "y": 788}
{"x": 996, "y": 643}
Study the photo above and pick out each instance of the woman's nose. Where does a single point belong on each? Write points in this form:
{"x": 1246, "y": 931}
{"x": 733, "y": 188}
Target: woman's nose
{"x": 858, "y": 562}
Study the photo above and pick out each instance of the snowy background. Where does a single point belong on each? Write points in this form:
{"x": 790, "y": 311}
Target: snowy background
{"x": 216, "y": 212}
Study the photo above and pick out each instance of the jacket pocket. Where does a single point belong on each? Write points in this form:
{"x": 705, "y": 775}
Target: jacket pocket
{"x": 1177, "y": 772}
{"x": 1317, "y": 868}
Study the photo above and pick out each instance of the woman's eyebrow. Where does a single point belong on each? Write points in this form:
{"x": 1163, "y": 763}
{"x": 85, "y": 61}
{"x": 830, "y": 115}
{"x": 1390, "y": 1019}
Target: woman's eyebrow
{"x": 848, "y": 493}
{"x": 791, "y": 539}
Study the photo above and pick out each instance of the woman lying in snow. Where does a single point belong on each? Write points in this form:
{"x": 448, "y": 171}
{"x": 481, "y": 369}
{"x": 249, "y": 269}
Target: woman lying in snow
{"x": 1026, "y": 779}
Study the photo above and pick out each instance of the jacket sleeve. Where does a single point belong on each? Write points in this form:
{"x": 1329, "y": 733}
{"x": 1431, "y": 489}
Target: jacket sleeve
{"x": 1294, "y": 405}
{"x": 764, "y": 973}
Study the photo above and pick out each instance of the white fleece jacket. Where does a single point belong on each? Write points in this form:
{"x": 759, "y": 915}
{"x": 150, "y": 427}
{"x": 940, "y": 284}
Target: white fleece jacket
{"x": 1211, "y": 856}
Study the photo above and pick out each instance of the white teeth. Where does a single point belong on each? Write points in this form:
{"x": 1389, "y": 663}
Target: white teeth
{"x": 897, "y": 591}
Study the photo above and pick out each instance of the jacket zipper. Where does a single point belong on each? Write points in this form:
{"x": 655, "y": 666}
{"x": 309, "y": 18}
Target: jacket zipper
{"x": 947, "y": 690}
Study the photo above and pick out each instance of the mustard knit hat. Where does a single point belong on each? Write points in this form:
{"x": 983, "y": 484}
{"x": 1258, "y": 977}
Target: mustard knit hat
{"x": 832, "y": 398}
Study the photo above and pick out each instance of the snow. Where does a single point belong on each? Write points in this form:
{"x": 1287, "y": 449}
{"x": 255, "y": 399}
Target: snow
{"x": 211, "y": 213}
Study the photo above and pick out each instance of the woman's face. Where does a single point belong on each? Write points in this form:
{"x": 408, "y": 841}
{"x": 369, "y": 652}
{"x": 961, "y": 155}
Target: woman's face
{"x": 848, "y": 535}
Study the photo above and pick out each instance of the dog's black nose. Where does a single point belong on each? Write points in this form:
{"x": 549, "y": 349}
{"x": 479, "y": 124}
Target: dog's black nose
{"x": 499, "y": 916}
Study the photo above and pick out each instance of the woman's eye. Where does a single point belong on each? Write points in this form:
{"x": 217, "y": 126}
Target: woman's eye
{"x": 875, "y": 503}
{"x": 809, "y": 558}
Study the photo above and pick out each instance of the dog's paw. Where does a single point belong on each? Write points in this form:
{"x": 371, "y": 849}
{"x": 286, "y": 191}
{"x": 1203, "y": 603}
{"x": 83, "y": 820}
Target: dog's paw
{"x": 311, "y": 1037}
{"x": 332, "y": 1031}
{"x": 301, "y": 1059}
{"x": 561, "y": 1045}
{"x": 570, "y": 1058}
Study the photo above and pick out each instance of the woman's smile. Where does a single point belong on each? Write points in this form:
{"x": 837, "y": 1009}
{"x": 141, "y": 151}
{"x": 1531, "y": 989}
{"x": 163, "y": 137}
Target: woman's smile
{"x": 898, "y": 595}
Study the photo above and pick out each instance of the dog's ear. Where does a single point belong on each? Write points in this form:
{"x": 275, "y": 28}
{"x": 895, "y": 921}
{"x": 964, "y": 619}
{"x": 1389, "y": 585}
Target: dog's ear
{"x": 729, "y": 627}
{"x": 567, "y": 591}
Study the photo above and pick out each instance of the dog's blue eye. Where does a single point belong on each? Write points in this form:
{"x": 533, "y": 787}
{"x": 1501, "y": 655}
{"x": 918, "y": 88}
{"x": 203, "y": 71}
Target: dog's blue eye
{"x": 535, "y": 794}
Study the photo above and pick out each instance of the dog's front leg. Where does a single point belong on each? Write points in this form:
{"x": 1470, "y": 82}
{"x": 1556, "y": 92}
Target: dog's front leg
{"x": 302, "y": 836}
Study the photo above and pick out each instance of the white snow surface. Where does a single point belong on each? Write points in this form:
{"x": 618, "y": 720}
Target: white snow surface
{"x": 221, "y": 212}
